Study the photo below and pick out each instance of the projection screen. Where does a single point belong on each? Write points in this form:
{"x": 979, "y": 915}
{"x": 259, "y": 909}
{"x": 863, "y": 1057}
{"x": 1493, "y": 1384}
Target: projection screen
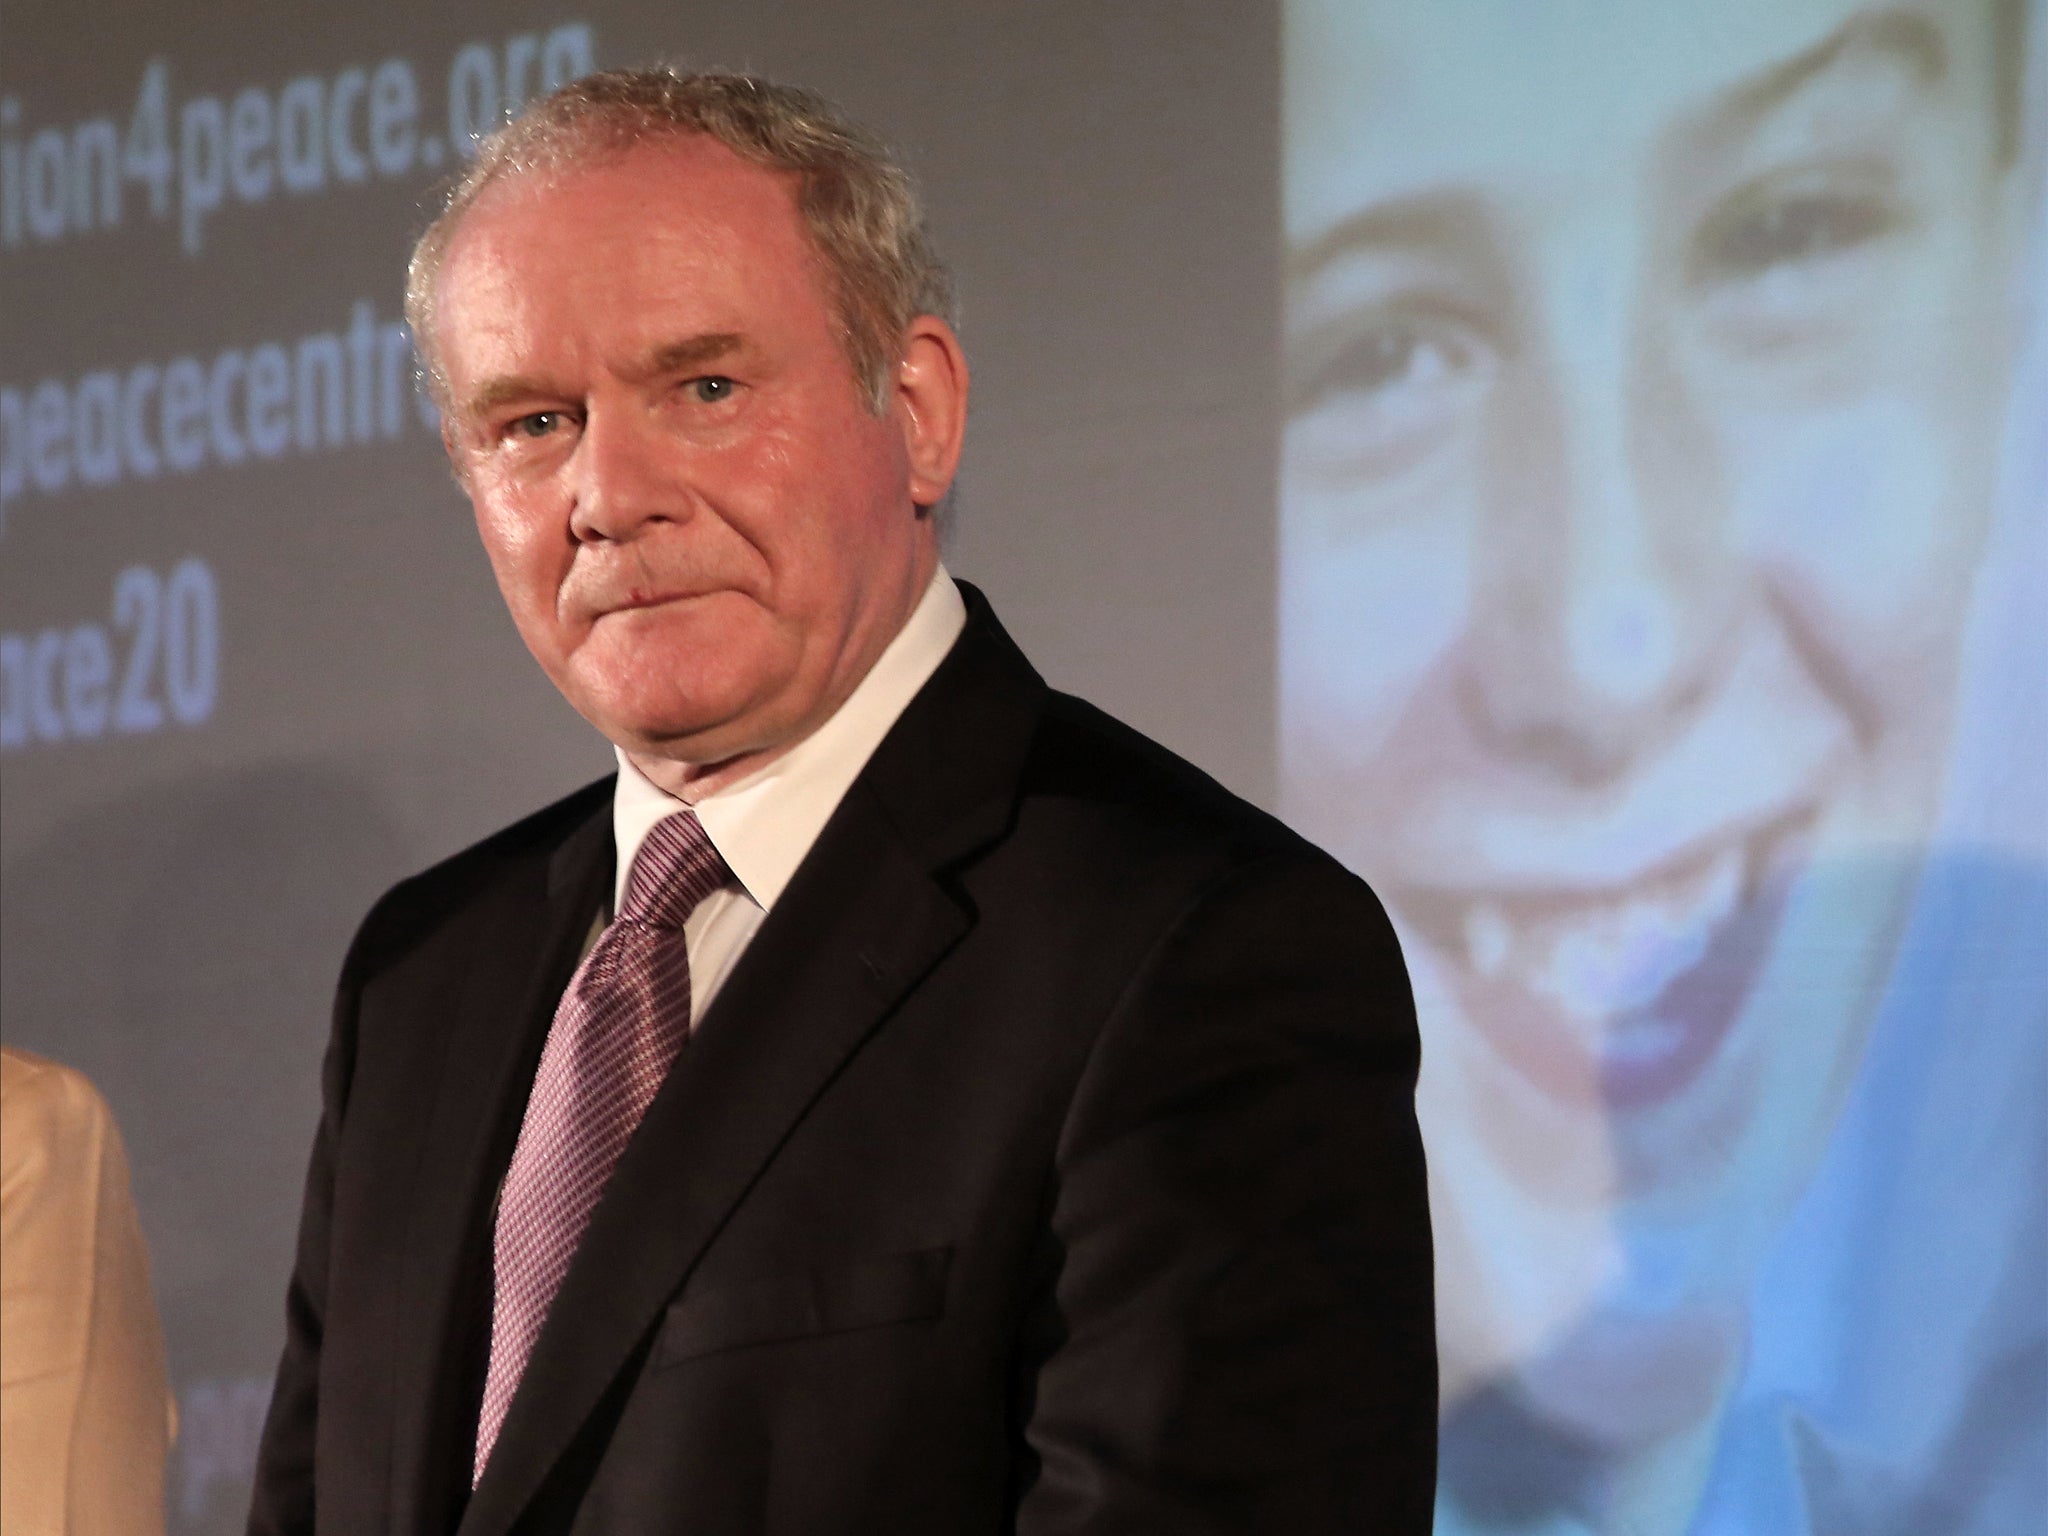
{"x": 1661, "y": 559}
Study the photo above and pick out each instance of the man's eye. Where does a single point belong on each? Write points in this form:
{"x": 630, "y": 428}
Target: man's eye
{"x": 535, "y": 424}
{"x": 712, "y": 388}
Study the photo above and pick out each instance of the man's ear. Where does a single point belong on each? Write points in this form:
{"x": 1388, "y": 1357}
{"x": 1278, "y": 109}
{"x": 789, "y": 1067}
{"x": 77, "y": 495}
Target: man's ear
{"x": 931, "y": 405}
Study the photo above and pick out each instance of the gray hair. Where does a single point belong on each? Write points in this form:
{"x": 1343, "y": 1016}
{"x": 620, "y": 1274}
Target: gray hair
{"x": 857, "y": 203}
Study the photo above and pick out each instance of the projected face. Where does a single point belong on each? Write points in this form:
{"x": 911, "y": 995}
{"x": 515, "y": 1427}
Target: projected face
{"x": 1643, "y": 385}
{"x": 703, "y": 534}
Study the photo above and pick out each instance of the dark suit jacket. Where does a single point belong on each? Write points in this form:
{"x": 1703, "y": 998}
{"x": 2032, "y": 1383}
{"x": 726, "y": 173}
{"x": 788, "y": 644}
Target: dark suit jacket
{"x": 1047, "y": 1164}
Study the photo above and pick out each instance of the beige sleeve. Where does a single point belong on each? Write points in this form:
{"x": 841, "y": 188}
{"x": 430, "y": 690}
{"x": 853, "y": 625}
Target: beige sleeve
{"x": 85, "y": 1417}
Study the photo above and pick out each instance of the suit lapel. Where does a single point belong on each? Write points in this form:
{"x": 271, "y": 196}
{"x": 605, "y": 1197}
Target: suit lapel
{"x": 499, "y": 1020}
{"x": 864, "y": 920}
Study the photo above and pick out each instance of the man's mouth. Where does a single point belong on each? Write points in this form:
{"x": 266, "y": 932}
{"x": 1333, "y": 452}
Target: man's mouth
{"x": 638, "y": 599}
{"x": 1624, "y": 994}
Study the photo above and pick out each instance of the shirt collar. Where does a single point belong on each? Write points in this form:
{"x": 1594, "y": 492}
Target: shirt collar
{"x": 764, "y": 824}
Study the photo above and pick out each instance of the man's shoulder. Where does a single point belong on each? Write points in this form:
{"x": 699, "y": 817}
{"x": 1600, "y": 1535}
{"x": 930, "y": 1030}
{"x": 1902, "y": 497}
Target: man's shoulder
{"x": 423, "y": 901}
{"x": 1051, "y": 790}
{"x": 1134, "y": 862}
{"x": 1097, "y": 779}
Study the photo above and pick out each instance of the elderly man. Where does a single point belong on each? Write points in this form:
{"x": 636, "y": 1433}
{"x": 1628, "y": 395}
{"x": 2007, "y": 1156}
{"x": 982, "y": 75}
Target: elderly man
{"x": 903, "y": 1099}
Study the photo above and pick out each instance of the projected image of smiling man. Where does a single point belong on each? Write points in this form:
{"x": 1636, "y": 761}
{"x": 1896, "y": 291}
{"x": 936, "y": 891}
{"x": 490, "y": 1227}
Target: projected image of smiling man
{"x": 1645, "y": 380}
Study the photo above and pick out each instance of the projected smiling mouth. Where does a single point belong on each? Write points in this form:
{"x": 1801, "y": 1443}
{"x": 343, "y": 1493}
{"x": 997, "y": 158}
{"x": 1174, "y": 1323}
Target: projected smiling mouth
{"x": 1627, "y": 993}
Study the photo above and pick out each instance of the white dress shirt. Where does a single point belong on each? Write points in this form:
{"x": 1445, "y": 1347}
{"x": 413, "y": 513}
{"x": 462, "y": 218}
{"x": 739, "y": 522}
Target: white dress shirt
{"x": 764, "y": 824}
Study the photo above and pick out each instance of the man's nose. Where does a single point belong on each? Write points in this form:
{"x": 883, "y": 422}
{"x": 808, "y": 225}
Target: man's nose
{"x": 1605, "y": 597}
{"x": 624, "y": 475}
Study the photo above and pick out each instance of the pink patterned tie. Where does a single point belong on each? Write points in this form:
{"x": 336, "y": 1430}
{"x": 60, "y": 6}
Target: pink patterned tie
{"x": 616, "y": 1032}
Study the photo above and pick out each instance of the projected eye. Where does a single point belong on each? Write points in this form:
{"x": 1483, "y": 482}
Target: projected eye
{"x": 1376, "y": 400}
{"x": 1793, "y": 229}
{"x": 1791, "y": 256}
{"x": 711, "y": 388}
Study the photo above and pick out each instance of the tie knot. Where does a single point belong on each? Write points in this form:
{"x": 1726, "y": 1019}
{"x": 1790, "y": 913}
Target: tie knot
{"x": 676, "y": 868}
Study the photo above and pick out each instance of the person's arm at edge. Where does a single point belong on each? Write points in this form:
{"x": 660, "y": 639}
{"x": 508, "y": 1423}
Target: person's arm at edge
{"x": 88, "y": 1414}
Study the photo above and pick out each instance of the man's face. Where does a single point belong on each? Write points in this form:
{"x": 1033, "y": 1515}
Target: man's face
{"x": 1644, "y": 372}
{"x": 703, "y": 534}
